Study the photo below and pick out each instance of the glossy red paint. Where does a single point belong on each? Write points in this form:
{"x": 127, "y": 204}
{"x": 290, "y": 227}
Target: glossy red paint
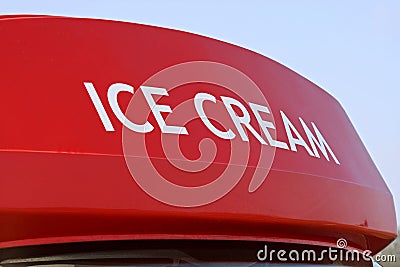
{"x": 65, "y": 179}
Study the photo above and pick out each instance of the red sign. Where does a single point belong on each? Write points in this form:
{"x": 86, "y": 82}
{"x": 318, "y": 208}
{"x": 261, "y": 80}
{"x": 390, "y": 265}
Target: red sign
{"x": 114, "y": 130}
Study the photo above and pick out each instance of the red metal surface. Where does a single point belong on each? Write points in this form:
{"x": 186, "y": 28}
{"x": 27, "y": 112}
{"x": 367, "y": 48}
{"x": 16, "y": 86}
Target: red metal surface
{"x": 64, "y": 178}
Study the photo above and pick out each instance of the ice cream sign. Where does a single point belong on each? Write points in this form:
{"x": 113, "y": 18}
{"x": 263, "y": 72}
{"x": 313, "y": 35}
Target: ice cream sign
{"x": 237, "y": 112}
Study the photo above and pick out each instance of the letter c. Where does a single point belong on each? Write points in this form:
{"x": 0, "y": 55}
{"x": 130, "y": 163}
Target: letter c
{"x": 112, "y": 96}
{"x": 198, "y": 103}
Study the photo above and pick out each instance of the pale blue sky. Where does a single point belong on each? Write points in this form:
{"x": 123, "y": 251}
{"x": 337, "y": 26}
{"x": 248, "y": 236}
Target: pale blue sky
{"x": 349, "y": 48}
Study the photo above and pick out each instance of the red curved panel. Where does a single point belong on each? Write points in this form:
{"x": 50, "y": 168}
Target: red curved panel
{"x": 114, "y": 130}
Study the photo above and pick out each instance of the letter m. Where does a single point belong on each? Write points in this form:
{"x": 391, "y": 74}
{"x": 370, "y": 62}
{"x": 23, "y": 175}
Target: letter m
{"x": 319, "y": 142}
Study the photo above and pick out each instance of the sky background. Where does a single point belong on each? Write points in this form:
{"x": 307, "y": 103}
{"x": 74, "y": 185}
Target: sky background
{"x": 349, "y": 48}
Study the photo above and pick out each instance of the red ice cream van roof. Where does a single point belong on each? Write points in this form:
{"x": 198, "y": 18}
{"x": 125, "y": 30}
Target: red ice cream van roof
{"x": 115, "y": 131}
